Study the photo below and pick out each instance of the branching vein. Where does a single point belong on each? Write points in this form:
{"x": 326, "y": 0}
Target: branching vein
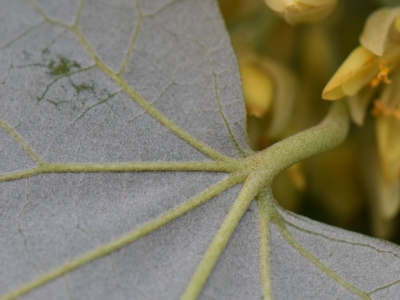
{"x": 79, "y": 13}
{"x": 148, "y": 107}
{"x": 311, "y": 258}
{"x": 133, "y": 94}
{"x": 26, "y": 32}
{"x": 120, "y": 167}
{"x": 257, "y": 173}
{"x": 265, "y": 269}
{"x": 336, "y": 239}
{"x": 135, "y": 35}
{"x": 249, "y": 191}
{"x": 126, "y": 239}
{"x": 21, "y": 142}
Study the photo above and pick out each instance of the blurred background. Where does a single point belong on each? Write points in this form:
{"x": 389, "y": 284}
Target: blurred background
{"x": 284, "y": 69}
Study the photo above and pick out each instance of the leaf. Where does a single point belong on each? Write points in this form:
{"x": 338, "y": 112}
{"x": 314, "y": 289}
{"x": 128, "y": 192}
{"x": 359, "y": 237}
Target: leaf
{"x": 125, "y": 170}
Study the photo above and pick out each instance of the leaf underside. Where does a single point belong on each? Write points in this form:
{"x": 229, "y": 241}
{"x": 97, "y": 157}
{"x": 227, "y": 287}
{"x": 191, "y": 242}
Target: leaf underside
{"x": 122, "y": 137}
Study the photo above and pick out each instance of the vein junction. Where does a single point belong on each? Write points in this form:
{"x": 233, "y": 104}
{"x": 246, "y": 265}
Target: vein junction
{"x": 256, "y": 172}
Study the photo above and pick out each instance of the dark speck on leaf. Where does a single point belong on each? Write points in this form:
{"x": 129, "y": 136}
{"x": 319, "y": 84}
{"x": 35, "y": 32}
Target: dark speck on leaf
{"x": 63, "y": 66}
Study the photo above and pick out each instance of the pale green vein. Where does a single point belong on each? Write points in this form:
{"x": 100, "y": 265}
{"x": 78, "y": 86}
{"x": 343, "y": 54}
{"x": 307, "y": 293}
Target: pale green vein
{"x": 148, "y": 107}
{"x": 47, "y": 89}
{"x": 122, "y": 167}
{"x": 68, "y": 288}
{"x": 265, "y": 165}
{"x": 102, "y": 101}
{"x": 251, "y": 187}
{"x": 384, "y": 287}
{"x": 235, "y": 143}
{"x": 21, "y": 142}
{"x": 125, "y": 239}
{"x": 21, "y": 174}
{"x": 264, "y": 247}
{"x": 337, "y": 239}
{"x": 221, "y": 112}
{"x": 279, "y": 222}
{"x": 26, "y": 32}
{"x": 63, "y": 76}
{"x": 160, "y": 9}
{"x": 136, "y": 31}
{"x": 21, "y": 231}
{"x": 133, "y": 94}
{"x": 79, "y": 13}
{"x": 47, "y": 18}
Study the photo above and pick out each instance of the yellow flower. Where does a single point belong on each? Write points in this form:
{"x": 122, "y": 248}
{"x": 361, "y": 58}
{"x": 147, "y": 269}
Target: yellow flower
{"x": 257, "y": 89}
{"x": 371, "y": 75}
{"x": 269, "y": 92}
{"x": 369, "y": 66}
{"x": 302, "y": 11}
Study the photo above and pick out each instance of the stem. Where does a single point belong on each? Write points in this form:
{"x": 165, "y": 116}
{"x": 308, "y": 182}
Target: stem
{"x": 328, "y": 134}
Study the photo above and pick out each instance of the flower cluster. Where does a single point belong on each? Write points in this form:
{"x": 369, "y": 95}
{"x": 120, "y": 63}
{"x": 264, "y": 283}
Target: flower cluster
{"x": 302, "y": 11}
{"x": 284, "y": 68}
{"x": 370, "y": 79}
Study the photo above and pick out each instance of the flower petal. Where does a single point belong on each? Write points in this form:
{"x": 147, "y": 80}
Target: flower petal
{"x": 276, "y": 5}
{"x": 297, "y": 176}
{"x": 257, "y": 88}
{"x": 333, "y": 178}
{"x": 389, "y": 196}
{"x": 358, "y": 104}
{"x": 378, "y": 29}
{"x": 318, "y": 2}
{"x": 388, "y": 139}
{"x": 384, "y": 197}
{"x": 286, "y": 90}
{"x": 302, "y": 11}
{"x": 355, "y": 72}
{"x": 361, "y": 78}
